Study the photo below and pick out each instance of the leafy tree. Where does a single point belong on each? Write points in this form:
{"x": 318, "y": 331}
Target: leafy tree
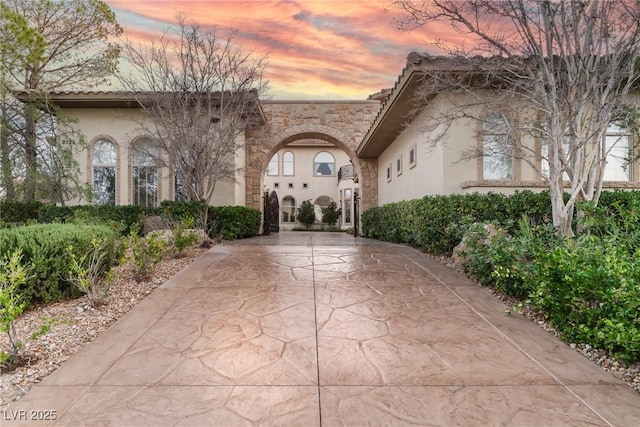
{"x": 306, "y": 214}
{"x": 53, "y": 45}
{"x": 559, "y": 71}
{"x": 330, "y": 214}
{"x": 199, "y": 94}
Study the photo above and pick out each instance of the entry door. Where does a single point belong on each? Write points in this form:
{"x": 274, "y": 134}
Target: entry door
{"x": 273, "y": 213}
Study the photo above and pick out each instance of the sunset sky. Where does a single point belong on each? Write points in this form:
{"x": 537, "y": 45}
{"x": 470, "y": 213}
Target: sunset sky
{"x": 317, "y": 49}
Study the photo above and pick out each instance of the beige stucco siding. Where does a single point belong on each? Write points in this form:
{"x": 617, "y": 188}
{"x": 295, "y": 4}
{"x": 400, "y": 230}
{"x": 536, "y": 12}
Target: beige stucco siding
{"x": 122, "y": 127}
{"x": 316, "y": 186}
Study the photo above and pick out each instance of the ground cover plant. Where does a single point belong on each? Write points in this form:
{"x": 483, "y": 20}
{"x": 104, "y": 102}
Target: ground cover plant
{"x": 587, "y": 286}
{"x": 73, "y": 255}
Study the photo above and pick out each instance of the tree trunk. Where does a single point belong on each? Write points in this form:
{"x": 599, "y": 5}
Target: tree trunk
{"x": 562, "y": 213}
{"x": 5, "y": 159}
{"x": 30, "y": 153}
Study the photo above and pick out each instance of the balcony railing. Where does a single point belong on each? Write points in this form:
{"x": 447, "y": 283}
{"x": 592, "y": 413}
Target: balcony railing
{"x": 347, "y": 172}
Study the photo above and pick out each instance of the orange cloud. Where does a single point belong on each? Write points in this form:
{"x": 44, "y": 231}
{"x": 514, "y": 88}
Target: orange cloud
{"x": 316, "y": 48}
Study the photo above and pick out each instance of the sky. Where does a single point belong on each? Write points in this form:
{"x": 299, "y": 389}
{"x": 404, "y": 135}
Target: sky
{"x": 316, "y": 49}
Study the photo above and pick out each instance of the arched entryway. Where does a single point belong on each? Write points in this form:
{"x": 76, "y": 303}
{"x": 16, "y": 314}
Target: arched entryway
{"x": 342, "y": 124}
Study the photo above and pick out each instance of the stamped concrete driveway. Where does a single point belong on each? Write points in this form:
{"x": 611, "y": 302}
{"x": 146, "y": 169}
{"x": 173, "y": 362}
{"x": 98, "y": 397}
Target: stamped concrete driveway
{"x": 316, "y": 329}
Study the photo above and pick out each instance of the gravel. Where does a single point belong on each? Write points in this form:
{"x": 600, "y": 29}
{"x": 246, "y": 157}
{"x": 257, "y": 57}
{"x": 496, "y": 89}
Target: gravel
{"x": 53, "y": 333}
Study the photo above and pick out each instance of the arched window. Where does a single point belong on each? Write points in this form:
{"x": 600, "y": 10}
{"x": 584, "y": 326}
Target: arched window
{"x": 104, "y": 161}
{"x": 144, "y": 174}
{"x": 287, "y": 163}
{"x": 324, "y": 164}
{"x": 288, "y": 209}
{"x": 497, "y": 149}
{"x": 272, "y": 169}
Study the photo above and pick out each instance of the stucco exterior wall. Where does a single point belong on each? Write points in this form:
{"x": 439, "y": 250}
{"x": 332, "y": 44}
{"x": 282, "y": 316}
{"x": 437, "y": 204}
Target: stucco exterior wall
{"x": 120, "y": 126}
{"x": 316, "y": 186}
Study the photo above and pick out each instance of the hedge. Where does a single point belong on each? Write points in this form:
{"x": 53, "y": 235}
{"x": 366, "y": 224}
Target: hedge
{"x": 12, "y": 212}
{"x": 122, "y": 217}
{"x": 45, "y": 251}
{"x": 436, "y": 224}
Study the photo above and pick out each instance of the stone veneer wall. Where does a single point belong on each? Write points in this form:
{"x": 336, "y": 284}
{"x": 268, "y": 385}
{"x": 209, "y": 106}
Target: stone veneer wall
{"x": 341, "y": 123}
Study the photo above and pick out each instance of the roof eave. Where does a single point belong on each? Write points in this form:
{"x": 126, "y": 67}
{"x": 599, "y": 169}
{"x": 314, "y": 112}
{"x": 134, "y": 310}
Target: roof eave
{"x": 391, "y": 120}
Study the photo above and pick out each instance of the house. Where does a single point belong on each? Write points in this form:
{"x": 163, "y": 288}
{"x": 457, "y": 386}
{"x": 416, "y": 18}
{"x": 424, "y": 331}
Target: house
{"x": 410, "y": 165}
{"x": 307, "y": 161}
{"x": 314, "y": 170}
{"x": 369, "y": 152}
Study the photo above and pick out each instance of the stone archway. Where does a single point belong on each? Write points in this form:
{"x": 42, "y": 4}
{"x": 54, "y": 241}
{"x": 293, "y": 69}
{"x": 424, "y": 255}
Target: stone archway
{"x": 342, "y": 123}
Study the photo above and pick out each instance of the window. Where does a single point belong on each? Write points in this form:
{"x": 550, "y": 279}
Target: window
{"x": 288, "y": 209}
{"x": 412, "y": 156}
{"x": 272, "y": 169}
{"x": 389, "y": 169}
{"x": 324, "y": 164}
{"x": 276, "y": 185}
{"x": 305, "y": 185}
{"x": 497, "y": 160}
{"x": 287, "y": 164}
{"x": 104, "y": 161}
{"x": 399, "y": 165}
{"x": 618, "y": 144}
{"x": 178, "y": 190}
{"x": 291, "y": 185}
{"x": 144, "y": 174}
{"x": 347, "y": 206}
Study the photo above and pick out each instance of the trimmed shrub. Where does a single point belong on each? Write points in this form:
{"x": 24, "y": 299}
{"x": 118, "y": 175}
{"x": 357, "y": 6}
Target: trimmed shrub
{"x": 18, "y": 212}
{"x": 306, "y": 214}
{"x": 436, "y": 224}
{"x": 234, "y": 222}
{"x": 44, "y": 247}
{"x": 590, "y": 290}
{"x": 123, "y": 218}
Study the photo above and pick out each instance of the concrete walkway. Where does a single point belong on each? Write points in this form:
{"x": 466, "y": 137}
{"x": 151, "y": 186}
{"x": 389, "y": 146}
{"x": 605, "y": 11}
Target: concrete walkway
{"x": 323, "y": 329}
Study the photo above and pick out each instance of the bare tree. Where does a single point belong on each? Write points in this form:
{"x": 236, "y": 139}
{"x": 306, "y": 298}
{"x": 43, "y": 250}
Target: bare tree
{"x": 200, "y": 95}
{"x": 560, "y": 71}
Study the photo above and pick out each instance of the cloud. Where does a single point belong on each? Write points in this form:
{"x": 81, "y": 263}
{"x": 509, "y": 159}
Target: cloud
{"x": 342, "y": 48}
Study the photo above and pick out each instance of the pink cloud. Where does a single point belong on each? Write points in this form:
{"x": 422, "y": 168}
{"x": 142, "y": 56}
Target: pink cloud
{"x": 347, "y": 48}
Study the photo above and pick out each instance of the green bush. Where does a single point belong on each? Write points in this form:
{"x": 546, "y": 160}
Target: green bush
{"x": 306, "y": 214}
{"x": 45, "y": 246}
{"x": 436, "y": 224}
{"x": 590, "y": 290}
{"x": 13, "y": 275}
{"x": 178, "y": 211}
{"x": 234, "y": 222}
{"x": 122, "y": 218}
{"x": 504, "y": 261}
{"x": 183, "y": 235}
{"x": 146, "y": 252}
{"x": 331, "y": 214}
{"x": 18, "y": 212}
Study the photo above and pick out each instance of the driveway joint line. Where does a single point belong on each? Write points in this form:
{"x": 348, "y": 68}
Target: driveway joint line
{"x": 504, "y": 336}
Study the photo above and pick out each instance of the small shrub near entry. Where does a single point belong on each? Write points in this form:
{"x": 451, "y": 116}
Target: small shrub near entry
{"x": 13, "y": 275}
{"x": 147, "y": 252}
{"x": 330, "y": 214}
{"x": 89, "y": 272}
{"x": 306, "y": 214}
{"x": 183, "y": 236}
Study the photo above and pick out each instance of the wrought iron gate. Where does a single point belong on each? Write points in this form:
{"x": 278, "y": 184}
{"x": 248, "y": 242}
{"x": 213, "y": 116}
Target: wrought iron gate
{"x": 271, "y": 213}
